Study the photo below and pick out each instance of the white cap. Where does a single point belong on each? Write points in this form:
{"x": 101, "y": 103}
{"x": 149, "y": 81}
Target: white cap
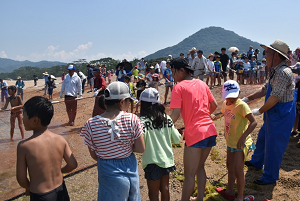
{"x": 230, "y": 89}
{"x": 117, "y": 91}
{"x": 150, "y": 95}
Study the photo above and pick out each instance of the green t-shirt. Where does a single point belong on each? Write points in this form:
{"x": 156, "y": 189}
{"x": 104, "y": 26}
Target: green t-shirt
{"x": 236, "y": 122}
{"x": 158, "y": 143}
{"x": 135, "y": 72}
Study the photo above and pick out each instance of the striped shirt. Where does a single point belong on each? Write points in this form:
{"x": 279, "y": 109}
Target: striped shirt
{"x": 282, "y": 83}
{"x": 111, "y": 139}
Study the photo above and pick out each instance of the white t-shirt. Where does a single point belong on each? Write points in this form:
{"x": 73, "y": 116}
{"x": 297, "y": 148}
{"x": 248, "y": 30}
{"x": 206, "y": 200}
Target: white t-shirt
{"x": 163, "y": 65}
{"x": 210, "y": 65}
{"x": 149, "y": 76}
{"x": 157, "y": 67}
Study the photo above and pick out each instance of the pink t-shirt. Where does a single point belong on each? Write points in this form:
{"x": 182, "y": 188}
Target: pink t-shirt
{"x": 193, "y": 98}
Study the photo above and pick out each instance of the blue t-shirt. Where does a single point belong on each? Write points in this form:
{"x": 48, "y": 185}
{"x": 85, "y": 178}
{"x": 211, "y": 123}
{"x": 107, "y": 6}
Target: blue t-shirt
{"x": 217, "y": 66}
{"x": 168, "y": 74}
{"x": 90, "y": 73}
{"x": 252, "y": 63}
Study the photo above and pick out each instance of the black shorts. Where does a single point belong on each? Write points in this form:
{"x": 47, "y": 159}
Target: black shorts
{"x": 154, "y": 172}
{"x": 138, "y": 94}
{"x": 59, "y": 194}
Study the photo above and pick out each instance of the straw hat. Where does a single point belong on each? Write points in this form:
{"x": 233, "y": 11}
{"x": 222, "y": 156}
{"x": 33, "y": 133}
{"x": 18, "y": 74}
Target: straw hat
{"x": 45, "y": 73}
{"x": 18, "y": 77}
{"x": 193, "y": 49}
{"x": 278, "y": 46}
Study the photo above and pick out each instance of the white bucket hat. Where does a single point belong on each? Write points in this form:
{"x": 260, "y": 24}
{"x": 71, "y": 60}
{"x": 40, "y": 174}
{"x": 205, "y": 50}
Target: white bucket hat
{"x": 230, "y": 89}
{"x": 278, "y": 46}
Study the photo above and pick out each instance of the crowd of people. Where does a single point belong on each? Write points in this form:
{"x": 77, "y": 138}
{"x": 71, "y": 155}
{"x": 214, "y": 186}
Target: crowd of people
{"x": 113, "y": 133}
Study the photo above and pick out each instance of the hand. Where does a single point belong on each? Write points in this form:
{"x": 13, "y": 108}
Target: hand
{"x": 241, "y": 142}
{"x": 96, "y": 93}
{"x": 181, "y": 131}
{"x": 61, "y": 96}
{"x": 213, "y": 117}
{"x": 245, "y": 99}
{"x": 256, "y": 112}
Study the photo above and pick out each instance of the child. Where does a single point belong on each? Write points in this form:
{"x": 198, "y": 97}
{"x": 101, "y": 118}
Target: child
{"x": 51, "y": 84}
{"x": 109, "y": 76}
{"x": 120, "y": 73}
{"x": 240, "y": 72}
{"x": 132, "y": 89}
{"x": 135, "y": 73}
{"x": 140, "y": 86}
{"x": 247, "y": 67}
{"x": 194, "y": 101}
{"x": 42, "y": 154}
{"x": 211, "y": 71}
{"x": 218, "y": 69}
{"x": 252, "y": 70}
{"x": 155, "y": 81}
{"x": 262, "y": 71}
{"x": 237, "y": 133}
{"x": 159, "y": 133}
{"x": 20, "y": 85}
{"x": 16, "y": 111}
{"x": 111, "y": 139}
{"x": 169, "y": 80}
{"x": 4, "y": 92}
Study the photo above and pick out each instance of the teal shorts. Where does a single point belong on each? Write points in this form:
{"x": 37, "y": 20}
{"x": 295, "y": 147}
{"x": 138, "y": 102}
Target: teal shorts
{"x": 251, "y": 148}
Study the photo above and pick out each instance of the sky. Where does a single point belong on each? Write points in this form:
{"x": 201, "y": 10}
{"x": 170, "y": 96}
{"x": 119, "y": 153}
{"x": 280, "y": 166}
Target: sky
{"x": 68, "y": 30}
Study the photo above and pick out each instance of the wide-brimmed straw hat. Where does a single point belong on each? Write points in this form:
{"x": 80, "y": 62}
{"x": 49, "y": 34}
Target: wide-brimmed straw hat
{"x": 278, "y": 46}
{"x": 45, "y": 73}
{"x": 193, "y": 49}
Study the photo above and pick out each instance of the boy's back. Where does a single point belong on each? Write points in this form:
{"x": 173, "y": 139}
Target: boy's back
{"x": 43, "y": 155}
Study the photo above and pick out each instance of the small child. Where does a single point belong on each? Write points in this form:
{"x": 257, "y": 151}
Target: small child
{"x": 155, "y": 81}
{"x": 135, "y": 73}
{"x": 16, "y": 111}
{"x": 218, "y": 69}
{"x": 169, "y": 80}
{"x": 237, "y": 133}
{"x": 262, "y": 71}
{"x": 109, "y": 76}
{"x": 247, "y": 71}
{"x": 132, "y": 89}
{"x": 50, "y": 85}
{"x": 240, "y": 72}
{"x": 140, "y": 87}
{"x": 211, "y": 71}
{"x": 159, "y": 133}
{"x": 112, "y": 137}
{"x": 42, "y": 154}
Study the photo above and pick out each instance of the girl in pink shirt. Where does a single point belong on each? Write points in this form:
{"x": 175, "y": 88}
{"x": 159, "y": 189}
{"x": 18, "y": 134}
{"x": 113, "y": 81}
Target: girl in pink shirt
{"x": 193, "y": 100}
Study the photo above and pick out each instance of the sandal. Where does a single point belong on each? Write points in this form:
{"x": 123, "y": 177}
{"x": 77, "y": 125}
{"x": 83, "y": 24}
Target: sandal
{"x": 222, "y": 192}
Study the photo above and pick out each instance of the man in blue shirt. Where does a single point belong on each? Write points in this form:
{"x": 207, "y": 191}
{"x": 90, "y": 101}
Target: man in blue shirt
{"x": 169, "y": 80}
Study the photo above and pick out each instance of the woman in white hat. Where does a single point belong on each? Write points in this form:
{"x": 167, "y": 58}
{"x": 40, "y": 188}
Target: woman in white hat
{"x": 279, "y": 109}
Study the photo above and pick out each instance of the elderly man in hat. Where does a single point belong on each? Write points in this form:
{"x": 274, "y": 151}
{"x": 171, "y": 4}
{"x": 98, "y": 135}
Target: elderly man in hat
{"x": 279, "y": 112}
{"x": 199, "y": 65}
{"x": 70, "y": 87}
{"x": 192, "y": 55}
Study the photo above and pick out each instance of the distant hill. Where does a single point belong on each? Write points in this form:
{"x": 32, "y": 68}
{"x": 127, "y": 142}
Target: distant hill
{"x": 208, "y": 40}
{"x": 8, "y": 65}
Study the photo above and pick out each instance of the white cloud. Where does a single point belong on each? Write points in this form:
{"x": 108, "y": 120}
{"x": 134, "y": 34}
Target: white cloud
{"x": 3, "y": 54}
{"x": 20, "y": 58}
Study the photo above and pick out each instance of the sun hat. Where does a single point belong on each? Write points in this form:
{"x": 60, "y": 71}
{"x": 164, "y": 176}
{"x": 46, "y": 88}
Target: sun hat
{"x": 52, "y": 77}
{"x": 278, "y": 46}
{"x": 45, "y": 73}
{"x": 151, "y": 67}
{"x": 71, "y": 67}
{"x": 264, "y": 59}
{"x": 117, "y": 91}
{"x": 230, "y": 89}
{"x": 155, "y": 75}
{"x": 170, "y": 55}
{"x": 19, "y": 77}
{"x": 297, "y": 65}
{"x": 180, "y": 63}
{"x": 150, "y": 95}
{"x": 210, "y": 55}
{"x": 193, "y": 49}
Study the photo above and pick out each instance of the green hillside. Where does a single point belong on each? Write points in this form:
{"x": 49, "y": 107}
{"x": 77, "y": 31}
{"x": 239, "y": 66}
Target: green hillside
{"x": 208, "y": 40}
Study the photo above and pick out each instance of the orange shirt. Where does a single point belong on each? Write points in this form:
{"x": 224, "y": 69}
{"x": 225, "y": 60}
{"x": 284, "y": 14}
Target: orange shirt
{"x": 193, "y": 98}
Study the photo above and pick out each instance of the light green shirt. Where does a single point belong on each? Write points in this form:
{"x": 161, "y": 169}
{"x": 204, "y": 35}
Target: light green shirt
{"x": 158, "y": 143}
{"x": 135, "y": 72}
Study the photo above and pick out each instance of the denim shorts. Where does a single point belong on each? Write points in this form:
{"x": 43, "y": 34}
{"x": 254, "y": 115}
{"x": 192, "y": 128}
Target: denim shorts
{"x": 118, "y": 179}
{"x": 207, "y": 142}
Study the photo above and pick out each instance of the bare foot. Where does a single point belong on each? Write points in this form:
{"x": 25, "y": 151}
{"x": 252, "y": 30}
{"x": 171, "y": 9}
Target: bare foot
{"x": 194, "y": 199}
{"x": 11, "y": 139}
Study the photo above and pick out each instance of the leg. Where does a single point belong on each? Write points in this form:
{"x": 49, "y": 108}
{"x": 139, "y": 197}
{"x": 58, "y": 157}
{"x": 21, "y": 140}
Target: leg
{"x": 296, "y": 123}
{"x": 239, "y": 173}
{"x": 191, "y": 160}
{"x": 153, "y": 189}
{"x": 20, "y": 122}
{"x": 164, "y": 188}
{"x": 68, "y": 108}
{"x": 12, "y": 125}
{"x": 166, "y": 94}
{"x": 231, "y": 173}
{"x": 207, "y": 80}
{"x": 201, "y": 174}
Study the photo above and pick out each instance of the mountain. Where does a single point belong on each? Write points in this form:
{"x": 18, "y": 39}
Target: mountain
{"x": 8, "y": 65}
{"x": 208, "y": 40}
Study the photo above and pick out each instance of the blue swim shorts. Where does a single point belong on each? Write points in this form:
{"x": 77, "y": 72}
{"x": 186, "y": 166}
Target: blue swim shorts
{"x": 207, "y": 142}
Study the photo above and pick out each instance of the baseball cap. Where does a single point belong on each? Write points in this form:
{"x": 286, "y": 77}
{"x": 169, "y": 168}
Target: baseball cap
{"x": 71, "y": 67}
{"x": 117, "y": 91}
{"x": 150, "y": 95}
{"x": 230, "y": 89}
{"x": 96, "y": 70}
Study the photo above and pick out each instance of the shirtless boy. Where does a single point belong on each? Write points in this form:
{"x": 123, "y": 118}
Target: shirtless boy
{"x": 42, "y": 154}
{"x": 16, "y": 111}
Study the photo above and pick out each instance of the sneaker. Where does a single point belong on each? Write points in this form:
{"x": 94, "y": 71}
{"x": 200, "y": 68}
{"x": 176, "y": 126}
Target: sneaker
{"x": 222, "y": 192}
{"x": 249, "y": 198}
{"x": 72, "y": 123}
